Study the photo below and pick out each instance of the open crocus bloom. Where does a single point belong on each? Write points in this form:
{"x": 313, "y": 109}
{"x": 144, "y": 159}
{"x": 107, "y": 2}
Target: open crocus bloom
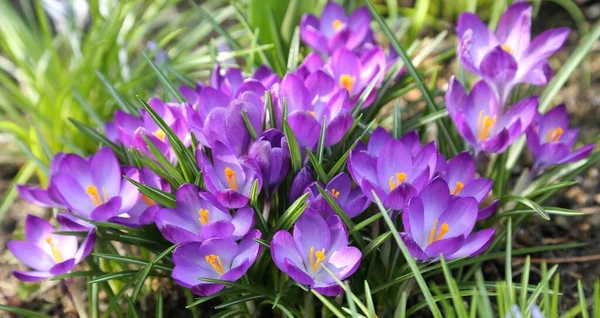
{"x": 198, "y": 217}
{"x": 480, "y": 120}
{"x": 392, "y": 171}
{"x": 460, "y": 176}
{"x": 335, "y": 29}
{"x": 550, "y": 139}
{"x": 217, "y": 258}
{"x": 272, "y": 154}
{"x": 508, "y": 57}
{"x": 145, "y": 209}
{"x": 130, "y": 128}
{"x": 352, "y": 201}
{"x": 315, "y": 242}
{"x": 94, "y": 188}
{"x": 229, "y": 178}
{"x": 354, "y": 73}
{"x": 49, "y": 197}
{"x": 46, "y": 253}
{"x": 437, "y": 223}
{"x": 310, "y": 102}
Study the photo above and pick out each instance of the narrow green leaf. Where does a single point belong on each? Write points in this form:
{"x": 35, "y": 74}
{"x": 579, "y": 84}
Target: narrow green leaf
{"x": 293, "y": 146}
{"x": 292, "y": 61}
{"x": 164, "y": 80}
{"x": 121, "y": 102}
{"x": 215, "y": 25}
{"x": 22, "y": 312}
{"x": 331, "y": 306}
{"x": 159, "y": 196}
{"x": 582, "y": 301}
{"x": 536, "y": 207}
{"x": 317, "y": 167}
{"x": 409, "y": 259}
{"x": 249, "y": 125}
{"x": 375, "y": 243}
{"x": 321, "y": 143}
{"x": 144, "y": 272}
{"x": 397, "y": 124}
{"x": 292, "y": 213}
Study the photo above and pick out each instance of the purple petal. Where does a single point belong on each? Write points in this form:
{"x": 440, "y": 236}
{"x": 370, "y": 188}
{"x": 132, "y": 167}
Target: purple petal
{"x": 237, "y": 272}
{"x": 435, "y": 197}
{"x": 338, "y": 127}
{"x": 296, "y": 273}
{"x": 344, "y": 262}
{"x": 75, "y": 196}
{"x": 72, "y": 223}
{"x": 206, "y": 289}
{"x": 301, "y": 181}
{"x": 306, "y": 128}
{"x": 31, "y": 277}
{"x": 248, "y": 249}
{"x": 445, "y": 247}
{"x": 460, "y": 215}
{"x": 359, "y": 23}
{"x": 413, "y": 247}
{"x": 331, "y": 12}
{"x": 311, "y": 231}
{"x": 216, "y": 229}
{"x": 387, "y": 169}
{"x": 86, "y": 247}
{"x": 379, "y": 137}
{"x": 283, "y": 247}
{"x": 31, "y": 255}
{"x": 460, "y": 169}
{"x": 232, "y": 199}
{"x": 556, "y": 117}
{"x": 37, "y": 229}
{"x": 106, "y": 172}
{"x": 475, "y": 244}
{"x": 476, "y": 37}
{"x": 514, "y": 28}
{"x": 478, "y": 188}
{"x": 243, "y": 221}
{"x": 578, "y": 154}
{"x": 398, "y": 198}
{"x": 542, "y": 47}
{"x": 488, "y": 210}
{"x": 107, "y": 210}
{"x": 62, "y": 267}
{"x": 362, "y": 165}
{"x": 413, "y": 220}
{"x": 339, "y": 234}
{"x": 330, "y": 291}
{"x": 36, "y": 196}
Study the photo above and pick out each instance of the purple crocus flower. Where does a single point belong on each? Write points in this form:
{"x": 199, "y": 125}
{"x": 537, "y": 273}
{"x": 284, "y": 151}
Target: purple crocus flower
{"x": 437, "y": 223}
{"x": 392, "y": 170}
{"x": 460, "y": 176}
{"x": 311, "y": 63}
{"x": 48, "y": 254}
{"x": 130, "y": 128}
{"x": 198, "y": 217}
{"x": 335, "y": 29}
{"x": 94, "y": 188}
{"x": 228, "y": 177}
{"x": 480, "y": 120}
{"x": 312, "y": 100}
{"x": 316, "y": 241}
{"x": 145, "y": 209}
{"x": 49, "y": 197}
{"x": 352, "y": 201}
{"x": 353, "y": 72}
{"x": 550, "y": 139}
{"x": 217, "y": 258}
{"x": 271, "y": 153}
{"x": 302, "y": 180}
{"x": 508, "y": 57}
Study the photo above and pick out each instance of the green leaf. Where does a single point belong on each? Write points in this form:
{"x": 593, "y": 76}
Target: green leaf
{"x": 409, "y": 259}
{"x": 342, "y": 161}
{"x": 99, "y": 138}
{"x": 121, "y": 102}
{"x": 164, "y": 80}
{"x": 146, "y": 271}
{"x": 293, "y": 146}
{"x": 459, "y": 307}
{"x": 413, "y": 72}
{"x": 331, "y": 306}
{"x": 582, "y": 300}
{"x": 22, "y": 312}
{"x": 338, "y": 210}
{"x": 536, "y": 207}
{"x": 292, "y": 213}
{"x": 249, "y": 125}
{"x": 397, "y": 124}
{"x": 321, "y": 143}
{"x": 292, "y": 61}
{"x": 164, "y": 162}
{"x": 375, "y": 243}
{"x": 159, "y": 196}
{"x": 205, "y": 16}
{"x": 317, "y": 167}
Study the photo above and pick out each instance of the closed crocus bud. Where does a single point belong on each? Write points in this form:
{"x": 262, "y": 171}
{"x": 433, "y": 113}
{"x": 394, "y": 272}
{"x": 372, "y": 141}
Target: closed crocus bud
{"x": 218, "y": 258}
{"x": 302, "y": 180}
{"x": 550, "y": 140}
{"x": 436, "y": 223}
{"x": 508, "y": 56}
{"x": 271, "y": 153}
{"x": 48, "y": 254}
{"x": 315, "y": 242}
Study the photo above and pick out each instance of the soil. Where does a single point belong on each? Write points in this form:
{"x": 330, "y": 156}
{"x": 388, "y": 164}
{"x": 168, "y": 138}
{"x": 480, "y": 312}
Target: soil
{"x": 582, "y": 101}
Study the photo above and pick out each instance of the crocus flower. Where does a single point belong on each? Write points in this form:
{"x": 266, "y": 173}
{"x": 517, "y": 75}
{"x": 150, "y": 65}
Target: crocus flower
{"x": 480, "y": 120}
{"x": 198, "y": 217}
{"x": 508, "y": 57}
{"x": 312, "y": 101}
{"x": 311, "y": 63}
{"x": 437, "y": 223}
{"x": 131, "y": 129}
{"x": 145, "y": 209}
{"x": 94, "y": 188}
{"x": 460, "y": 174}
{"x": 228, "y": 177}
{"x": 271, "y": 153}
{"x": 316, "y": 241}
{"x": 302, "y": 180}
{"x": 550, "y": 139}
{"x": 48, "y": 254}
{"x": 48, "y": 197}
{"x": 218, "y": 258}
{"x": 353, "y": 72}
{"x": 335, "y": 29}
{"x": 352, "y": 201}
{"x": 392, "y": 170}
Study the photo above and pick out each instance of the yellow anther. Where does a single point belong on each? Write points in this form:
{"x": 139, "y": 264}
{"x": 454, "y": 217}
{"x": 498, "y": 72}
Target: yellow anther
{"x": 203, "y": 216}
{"x": 347, "y": 82}
{"x": 215, "y": 262}
{"x": 313, "y": 114}
{"x": 400, "y": 177}
{"x": 319, "y": 255}
{"x": 458, "y": 188}
{"x": 54, "y": 248}
{"x": 92, "y": 191}
{"x": 443, "y": 230}
{"x": 147, "y": 200}
{"x": 485, "y": 125}
{"x": 335, "y": 193}
{"x": 160, "y": 134}
{"x": 508, "y": 49}
{"x": 554, "y": 134}
{"x": 231, "y": 177}
{"x": 337, "y": 24}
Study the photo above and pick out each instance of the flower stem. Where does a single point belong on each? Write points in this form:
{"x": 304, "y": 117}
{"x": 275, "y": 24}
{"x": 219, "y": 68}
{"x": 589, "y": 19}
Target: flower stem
{"x": 309, "y": 305}
{"x": 75, "y": 299}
